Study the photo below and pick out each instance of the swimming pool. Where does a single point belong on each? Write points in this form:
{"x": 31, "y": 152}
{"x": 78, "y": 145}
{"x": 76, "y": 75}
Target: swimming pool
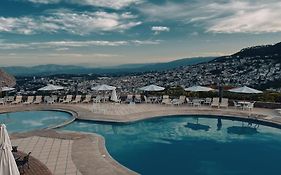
{"x": 32, "y": 120}
{"x": 193, "y": 145}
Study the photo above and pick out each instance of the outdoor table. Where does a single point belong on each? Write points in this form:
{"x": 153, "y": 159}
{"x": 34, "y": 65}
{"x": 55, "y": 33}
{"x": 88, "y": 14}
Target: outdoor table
{"x": 153, "y": 99}
{"x": 243, "y": 103}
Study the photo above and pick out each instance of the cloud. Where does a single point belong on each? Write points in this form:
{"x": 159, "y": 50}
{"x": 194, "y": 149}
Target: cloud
{"x": 228, "y": 16}
{"x": 159, "y": 29}
{"x": 78, "y": 23}
{"x": 113, "y": 4}
{"x": 67, "y": 45}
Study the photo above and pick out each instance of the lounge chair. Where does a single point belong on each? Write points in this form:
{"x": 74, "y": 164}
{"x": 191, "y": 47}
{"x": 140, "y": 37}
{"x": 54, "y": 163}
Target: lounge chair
{"x": 87, "y": 99}
{"x": 208, "y": 101}
{"x": 97, "y": 99}
{"x": 29, "y": 100}
{"x": 138, "y": 98}
{"x": 17, "y": 100}
{"x": 224, "y": 103}
{"x": 50, "y": 100}
{"x": 22, "y": 163}
{"x": 68, "y": 99}
{"x": 2, "y": 101}
{"x": 215, "y": 102}
{"x": 188, "y": 101}
{"x": 38, "y": 99}
{"x": 166, "y": 100}
{"x": 77, "y": 99}
{"x": 237, "y": 105}
{"x": 129, "y": 99}
{"x": 179, "y": 101}
{"x": 146, "y": 100}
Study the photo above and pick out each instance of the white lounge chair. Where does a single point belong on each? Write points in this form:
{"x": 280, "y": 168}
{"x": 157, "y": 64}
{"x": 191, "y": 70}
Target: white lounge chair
{"x": 29, "y": 100}
{"x": 77, "y": 99}
{"x": 166, "y": 100}
{"x": 97, "y": 99}
{"x": 224, "y": 103}
{"x": 17, "y": 100}
{"x": 38, "y": 99}
{"x": 2, "y": 101}
{"x": 237, "y": 105}
{"x": 68, "y": 99}
{"x": 137, "y": 98}
{"x": 129, "y": 99}
{"x": 179, "y": 101}
{"x": 87, "y": 99}
{"x": 215, "y": 102}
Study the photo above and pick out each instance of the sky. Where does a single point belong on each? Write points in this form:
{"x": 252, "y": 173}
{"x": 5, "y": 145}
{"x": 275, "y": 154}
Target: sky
{"x": 99, "y": 33}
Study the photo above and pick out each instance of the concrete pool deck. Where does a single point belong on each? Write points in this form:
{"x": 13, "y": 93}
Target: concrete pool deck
{"x": 81, "y": 153}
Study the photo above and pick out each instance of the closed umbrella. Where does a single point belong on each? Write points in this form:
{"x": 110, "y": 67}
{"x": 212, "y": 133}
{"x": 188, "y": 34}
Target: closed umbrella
{"x": 5, "y": 89}
{"x": 114, "y": 96}
{"x": 8, "y": 164}
{"x": 245, "y": 90}
{"x": 152, "y": 88}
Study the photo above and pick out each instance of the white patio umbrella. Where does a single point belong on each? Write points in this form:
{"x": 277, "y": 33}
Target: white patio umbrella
{"x": 51, "y": 87}
{"x": 245, "y": 90}
{"x": 103, "y": 87}
{"x": 198, "y": 89}
{"x": 114, "y": 96}
{"x": 152, "y": 88}
{"x": 5, "y": 89}
{"x": 8, "y": 164}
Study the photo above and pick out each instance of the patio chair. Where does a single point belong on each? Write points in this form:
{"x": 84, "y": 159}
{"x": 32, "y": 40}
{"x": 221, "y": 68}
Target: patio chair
{"x": 137, "y": 98}
{"x": 249, "y": 106}
{"x": 87, "y": 99}
{"x": 215, "y": 102}
{"x": 38, "y": 99}
{"x": 29, "y": 100}
{"x": 196, "y": 102}
{"x": 68, "y": 99}
{"x": 97, "y": 99}
{"x": 129, "y": 99}
{"x": 224, "y": 103}
{"x": 208, "y": 101}
{"x": 17, "y": 100}
{"x": 237, "y": 105}
{"x": 77, "y": 99}
{"x": 166, "y": 100}
{"x": 50, "y": 100}
{"x": 22, "y": 163}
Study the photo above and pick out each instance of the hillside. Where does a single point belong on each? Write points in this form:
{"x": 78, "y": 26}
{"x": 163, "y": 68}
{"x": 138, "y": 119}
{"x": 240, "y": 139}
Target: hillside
{"x": 53, "y": 69}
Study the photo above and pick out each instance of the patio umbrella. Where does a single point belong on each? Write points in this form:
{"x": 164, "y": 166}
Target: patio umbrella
{"x": 103, "y": 88}
{"x": 6, "y": 89}
{"x": 245, "y": 90}
{"x": 198, "y": 89}
{"x": 51, "y": 87}
{"x": 8, "y": 164}
{"x": 152, "y": 88}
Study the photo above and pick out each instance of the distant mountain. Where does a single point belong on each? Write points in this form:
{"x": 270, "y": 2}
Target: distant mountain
{"x": 53, "y": 69}
{"x": 256, "y": 52}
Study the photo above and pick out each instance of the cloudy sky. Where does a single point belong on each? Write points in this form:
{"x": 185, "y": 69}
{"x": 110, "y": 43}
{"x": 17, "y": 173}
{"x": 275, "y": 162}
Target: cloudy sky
{"x": 110, "y": 32}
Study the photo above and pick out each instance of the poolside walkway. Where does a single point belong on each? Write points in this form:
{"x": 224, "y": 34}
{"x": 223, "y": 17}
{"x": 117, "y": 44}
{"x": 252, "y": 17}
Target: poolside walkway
{"x": 80, "y": 153}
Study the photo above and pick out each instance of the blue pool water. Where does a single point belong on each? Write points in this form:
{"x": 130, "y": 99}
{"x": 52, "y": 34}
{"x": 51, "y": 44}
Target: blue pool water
{"x": 191, "y": 145}
{"x": 32, "y": 120}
